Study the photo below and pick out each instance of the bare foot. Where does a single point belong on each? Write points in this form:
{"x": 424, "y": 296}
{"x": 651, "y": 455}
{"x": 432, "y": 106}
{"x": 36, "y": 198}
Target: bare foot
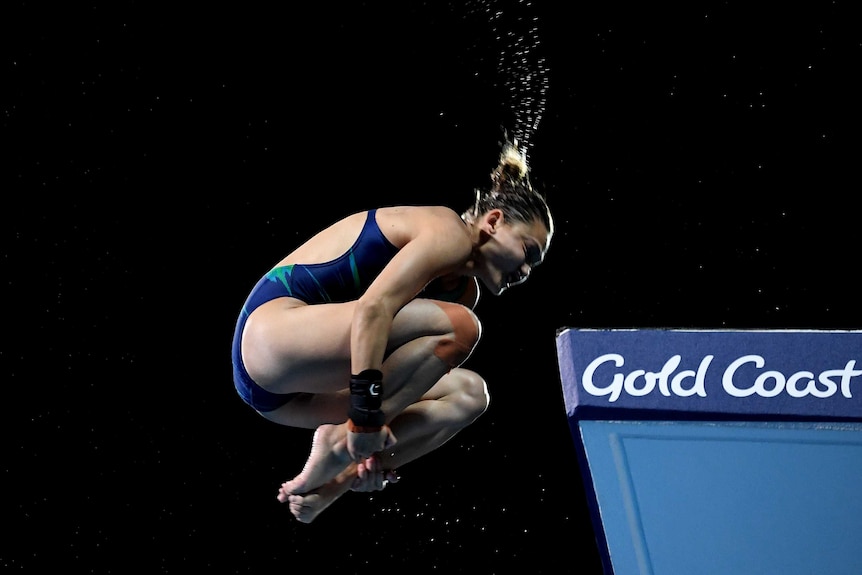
{"x": 327, "y": 459}
{"x": 305, "y": 507}
{"x": 365, "y": 476}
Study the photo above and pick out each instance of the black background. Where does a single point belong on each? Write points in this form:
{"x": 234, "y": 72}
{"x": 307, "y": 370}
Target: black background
{"x": 701, "y": 159}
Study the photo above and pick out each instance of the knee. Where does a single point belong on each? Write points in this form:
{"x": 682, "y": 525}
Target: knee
{"x": 472, "y": 393}
{"x": 455, "y": 347}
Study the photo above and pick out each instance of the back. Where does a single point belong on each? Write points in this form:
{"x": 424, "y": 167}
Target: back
{"x": 342, "y": 278}
{"x": 339, "y": 262}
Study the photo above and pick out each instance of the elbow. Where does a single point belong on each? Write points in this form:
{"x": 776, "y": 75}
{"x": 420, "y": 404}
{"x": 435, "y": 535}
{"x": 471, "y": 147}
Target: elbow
{"x": 371, "y": 311}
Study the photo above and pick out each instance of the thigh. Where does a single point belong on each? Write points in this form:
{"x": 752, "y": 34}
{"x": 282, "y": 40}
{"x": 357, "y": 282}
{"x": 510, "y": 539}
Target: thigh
{"x": 287, "y": 343}
{"x": 289, "y": 346}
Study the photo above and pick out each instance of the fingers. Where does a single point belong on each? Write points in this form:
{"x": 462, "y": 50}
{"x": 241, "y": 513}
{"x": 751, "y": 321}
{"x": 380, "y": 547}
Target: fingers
{"x": 371, "y": 465}
{"x": 370, "y": 476}
{"x": 361, "y": 446}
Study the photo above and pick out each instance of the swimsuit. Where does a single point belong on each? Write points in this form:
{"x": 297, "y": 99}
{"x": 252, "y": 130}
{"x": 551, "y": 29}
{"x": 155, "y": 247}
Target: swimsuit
{"x": 342, "y": 279}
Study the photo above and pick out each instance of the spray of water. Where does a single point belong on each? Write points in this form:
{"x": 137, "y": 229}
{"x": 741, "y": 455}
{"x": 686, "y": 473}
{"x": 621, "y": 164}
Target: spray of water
{"x": 520, "y": 70}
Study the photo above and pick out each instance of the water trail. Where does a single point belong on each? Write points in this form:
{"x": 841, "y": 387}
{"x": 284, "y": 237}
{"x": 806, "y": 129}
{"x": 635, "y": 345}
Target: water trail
{"x": 520, "y": 70}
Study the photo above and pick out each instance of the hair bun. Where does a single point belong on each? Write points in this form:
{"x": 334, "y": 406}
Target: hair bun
{"x": 513, "y": 164}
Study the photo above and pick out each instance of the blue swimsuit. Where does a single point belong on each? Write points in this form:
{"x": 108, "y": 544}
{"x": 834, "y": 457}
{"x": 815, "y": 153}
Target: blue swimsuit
{"x": 342, "y": 279}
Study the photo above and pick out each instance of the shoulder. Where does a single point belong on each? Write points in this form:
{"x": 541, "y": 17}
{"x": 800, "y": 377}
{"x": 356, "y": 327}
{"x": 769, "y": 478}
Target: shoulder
{"x": 438, "y": 214}
{"x": 402, "y": 224}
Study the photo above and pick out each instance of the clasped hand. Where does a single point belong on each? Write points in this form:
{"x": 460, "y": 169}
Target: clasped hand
{"x": 361, "y": 446}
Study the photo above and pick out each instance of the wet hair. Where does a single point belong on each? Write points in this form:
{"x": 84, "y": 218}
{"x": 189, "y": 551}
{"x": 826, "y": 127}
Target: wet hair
{"x": 512, "y": 192}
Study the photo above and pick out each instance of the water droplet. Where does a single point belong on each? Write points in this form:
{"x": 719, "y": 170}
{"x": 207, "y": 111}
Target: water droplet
{"x": 521, "y": 72}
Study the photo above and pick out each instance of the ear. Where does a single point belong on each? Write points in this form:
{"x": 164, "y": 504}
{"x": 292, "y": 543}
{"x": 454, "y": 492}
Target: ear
{"x": 493, "y": 219}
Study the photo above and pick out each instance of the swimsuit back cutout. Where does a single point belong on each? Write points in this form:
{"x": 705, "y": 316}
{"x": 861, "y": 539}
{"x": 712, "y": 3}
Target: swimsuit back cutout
{"x": 342, "y": 279}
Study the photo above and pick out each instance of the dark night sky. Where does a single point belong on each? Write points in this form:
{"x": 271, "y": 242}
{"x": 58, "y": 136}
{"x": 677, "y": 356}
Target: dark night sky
{"x": 701, "y": 159}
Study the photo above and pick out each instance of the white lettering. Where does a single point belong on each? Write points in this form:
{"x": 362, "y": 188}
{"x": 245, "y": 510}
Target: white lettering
{"x": 727, "y": 380}
{"x": 650, "y": 379}
{"x": 616, "y": 385}
{"x": 631, "y": 383}
{"x": 761, "y": 384}
{"x": 772, "y": 383}
{"x": 698, "y": 388}
{"x": 737, "y": 381}
{"x": 810, "y": 386}
{"x": 845, "y": 374}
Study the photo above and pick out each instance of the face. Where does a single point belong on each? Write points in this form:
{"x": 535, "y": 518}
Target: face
{"x": 515, "y": 248}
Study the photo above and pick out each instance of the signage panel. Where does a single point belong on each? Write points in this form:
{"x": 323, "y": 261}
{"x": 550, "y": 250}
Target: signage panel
{"x": 701, "y": 374}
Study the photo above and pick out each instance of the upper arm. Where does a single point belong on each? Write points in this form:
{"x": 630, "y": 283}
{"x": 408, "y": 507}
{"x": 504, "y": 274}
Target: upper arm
{"x": 438, "y": 246}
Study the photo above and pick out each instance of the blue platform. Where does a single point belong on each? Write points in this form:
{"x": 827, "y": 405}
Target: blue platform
{"x": 719, "y": 452}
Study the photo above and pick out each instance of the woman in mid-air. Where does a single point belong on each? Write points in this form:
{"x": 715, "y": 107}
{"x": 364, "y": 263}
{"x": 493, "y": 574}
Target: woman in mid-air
{"x": 359, "y": 333}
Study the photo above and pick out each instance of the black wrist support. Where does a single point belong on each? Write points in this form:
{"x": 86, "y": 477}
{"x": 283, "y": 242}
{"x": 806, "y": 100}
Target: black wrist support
{"x": 366, "y": 396}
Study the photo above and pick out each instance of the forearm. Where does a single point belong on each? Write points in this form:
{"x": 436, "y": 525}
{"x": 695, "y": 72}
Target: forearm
{"x": 369, "y": 336}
